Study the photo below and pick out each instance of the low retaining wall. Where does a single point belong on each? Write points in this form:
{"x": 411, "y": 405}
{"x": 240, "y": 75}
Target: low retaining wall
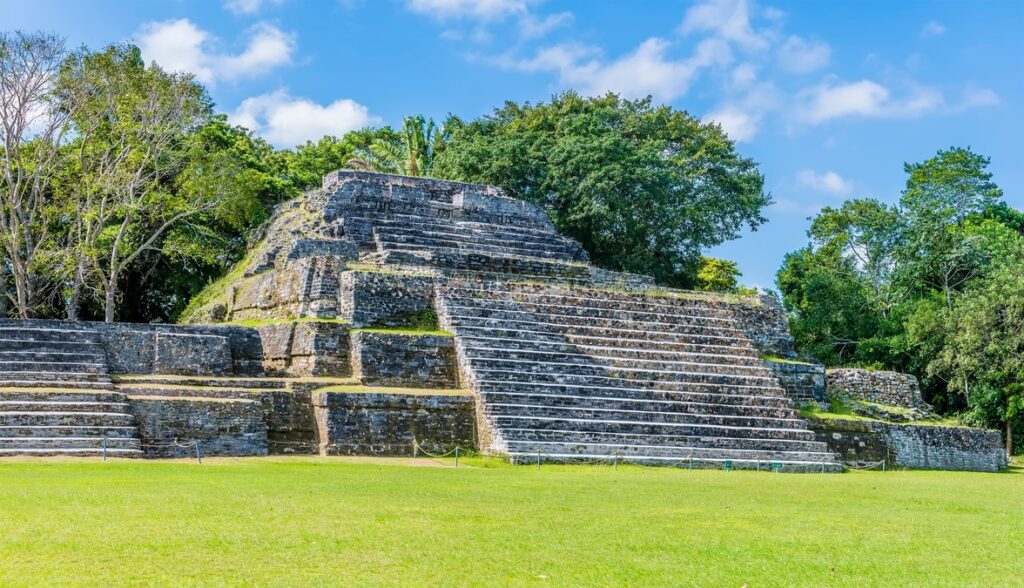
{"x": 882, "y": 387}
{"x": 803, "y": 382}
{"x": 223, "y": 427}
{"x": 306, "y": 348}
{"x": 405, "y": 360}
{"x": 387, "y": 423}
{"x": 860, "y": 443}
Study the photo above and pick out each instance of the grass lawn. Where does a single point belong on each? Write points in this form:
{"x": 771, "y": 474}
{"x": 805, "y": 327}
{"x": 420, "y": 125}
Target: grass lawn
{"x": 322, "y": 521}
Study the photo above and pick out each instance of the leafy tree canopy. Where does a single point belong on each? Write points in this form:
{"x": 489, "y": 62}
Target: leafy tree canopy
{"x": 644, "y": 188}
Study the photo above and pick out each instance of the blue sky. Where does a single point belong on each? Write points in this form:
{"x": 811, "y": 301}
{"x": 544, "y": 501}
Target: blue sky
{"x": 829, "y": 97}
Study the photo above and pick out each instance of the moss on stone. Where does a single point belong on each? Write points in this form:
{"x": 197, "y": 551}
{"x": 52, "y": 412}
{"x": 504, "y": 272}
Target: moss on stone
{"x": 405, "y": 331}
{"x": 282, "y": 320}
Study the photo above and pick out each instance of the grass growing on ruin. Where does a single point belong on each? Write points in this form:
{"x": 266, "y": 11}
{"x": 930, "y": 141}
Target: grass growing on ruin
{"x": 313, "y": 521}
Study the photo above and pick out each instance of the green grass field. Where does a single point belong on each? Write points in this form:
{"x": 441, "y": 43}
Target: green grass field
{"x": 313, "y": 521}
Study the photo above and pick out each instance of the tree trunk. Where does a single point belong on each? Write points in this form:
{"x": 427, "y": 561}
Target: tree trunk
{"x": 1009, "y": 440}
{"x": 76, "y": 292}
{"x": 3, "y": 288}
{"x": 109, "y": 299}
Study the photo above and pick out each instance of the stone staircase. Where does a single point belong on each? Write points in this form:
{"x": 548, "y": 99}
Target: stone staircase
{"x": 56, "y": 395}
{"x": 573, "y": 374}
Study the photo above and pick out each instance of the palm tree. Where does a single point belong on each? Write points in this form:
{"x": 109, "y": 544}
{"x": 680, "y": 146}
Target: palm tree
{"x": 411, "y": 152}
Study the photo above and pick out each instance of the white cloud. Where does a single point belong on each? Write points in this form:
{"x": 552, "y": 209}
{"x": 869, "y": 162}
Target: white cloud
{"x": 287, "y": 121}
{"x": 728, "y": 20}
{"x": 828, "y": 182}
{"x": 863, "y": 98}
{"x": 975, "y": 97}
{"x": 249, "y": 6}
{"x": 797, "y": 55}
{"x": 646, "y": 70}
{"x": 932, "y": 29}
{"x": 480, "y": 10}
{"x": 743, "y": 75}
{"x": 742, "y": 117}
{"x": 179, "y": 45}
{"x": 532, "y": 27}
{"x": 739, "y": 125}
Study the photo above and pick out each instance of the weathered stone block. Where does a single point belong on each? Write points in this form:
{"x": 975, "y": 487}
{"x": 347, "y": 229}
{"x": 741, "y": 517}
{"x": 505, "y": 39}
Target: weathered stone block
{"x": 192, "y": 354}
{"x": 223, "y": 427}
{"x": 401, "y": 359}
{"x": 803, "y": 382}
{"x": 388, "y": 423}
{"x": 382, "y": 299}
{"x": 883, "y": 387}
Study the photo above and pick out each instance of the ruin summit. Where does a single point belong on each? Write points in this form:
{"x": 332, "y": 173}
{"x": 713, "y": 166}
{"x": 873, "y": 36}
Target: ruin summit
{"x": 388, "y": 315}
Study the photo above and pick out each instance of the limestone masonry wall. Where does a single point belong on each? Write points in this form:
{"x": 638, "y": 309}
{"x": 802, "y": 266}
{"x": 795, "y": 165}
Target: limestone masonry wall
{"x": 803, "y": 382}
{"x": 383, "y": 299}
{"x": 408, "y": 360}
{"x": 306, "y": 348}
{"x": 765, "y": 321}
{"x": 892, "y": 388}
{"x": 913, "y": 446}
{"x": 387, "y": 423}
{"x": 228, "y": 427}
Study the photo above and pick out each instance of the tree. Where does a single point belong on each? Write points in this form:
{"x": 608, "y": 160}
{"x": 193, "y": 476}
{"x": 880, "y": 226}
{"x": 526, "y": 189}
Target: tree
{"x": 309, "y": 163}
{"x": 131, "y": 122}
{"x": 987, "y": 347}
{"x": 941, "y": 194}
{"x": 33, "y": 128}
{"x": 410, "y": 152}
{"x": 644, "y": 188}
{"x": 717, "y": 275}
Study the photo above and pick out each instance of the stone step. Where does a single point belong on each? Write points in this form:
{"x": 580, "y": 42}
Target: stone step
{"x": 69, "y": 443}
{"x": 725, "y": 365}
{"x": 32, "y": 346}
{"x": 678, "y": 417}
{"x": 206, "y": 381}
{"x": 70, "y": 452}
{"x": 52, "y": 356}
{"x": 499, "y": 233}
{"x": 496, "y": 326}
{"x": 9, "y": 381}
{"x": 65, "y": 418}
{"x": 694, "y": 393}
{"x": 30, "y": 333}
{"x": 60, "y": 395}
{"x": 583, "y": 374}
{"x": 397, "y": 237}
{"x": 677, "y": 317}
{"x": 79, "y": 377}
{"x": 538, "y": 339}
{"x": 624, "y": 385}
{"x": 681, "y": 452}
{"x": 656, "y": 301}
{"x": 512, "y": 434}
{"x": 50, "y": 405}
{"x": 704, "y": 463}
{"x": 490, "y": 263}
{"x": 701, "y": 394}
{"x": 524, "y": 345}
{"x": 585, "y": 425}
{"x": 21, "y": 431}
{"x": 689, "y": 405}
{"x": 468, "y": 249}
{"x": 523, "y": 316}
{"x": 51, "y": 367}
